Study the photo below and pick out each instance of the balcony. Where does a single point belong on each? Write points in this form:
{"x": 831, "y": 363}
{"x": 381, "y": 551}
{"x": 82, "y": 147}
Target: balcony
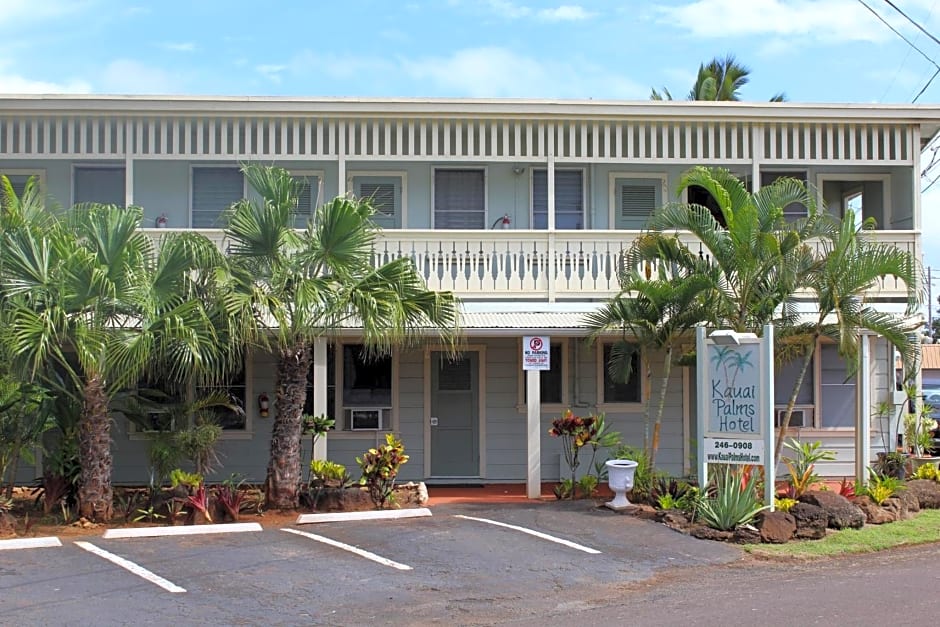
{"x": 533, "y": 265}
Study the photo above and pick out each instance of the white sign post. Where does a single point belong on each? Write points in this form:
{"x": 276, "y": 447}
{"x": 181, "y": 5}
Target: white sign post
{"x": 536, "y": 356}
{"x": 736, "y": 402}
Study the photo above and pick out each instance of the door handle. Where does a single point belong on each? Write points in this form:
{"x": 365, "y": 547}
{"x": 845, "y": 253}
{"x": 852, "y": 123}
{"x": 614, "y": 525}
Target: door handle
{"x": 433, "y": 421}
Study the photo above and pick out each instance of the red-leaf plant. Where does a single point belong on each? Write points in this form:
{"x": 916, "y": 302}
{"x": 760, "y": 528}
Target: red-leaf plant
{"x": 199, "y": 500}
{"x": 231, "y": 496}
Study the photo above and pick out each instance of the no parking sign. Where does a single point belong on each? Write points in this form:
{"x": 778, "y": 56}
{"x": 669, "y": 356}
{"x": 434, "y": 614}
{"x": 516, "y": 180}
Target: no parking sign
{"x": 535, "y": 352}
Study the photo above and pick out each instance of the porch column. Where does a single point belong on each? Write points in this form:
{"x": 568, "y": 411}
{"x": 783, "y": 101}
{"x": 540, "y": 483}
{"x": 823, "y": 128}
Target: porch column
{"x": 319, "y": 391}
{"x": 552, "y": 266}
{"x": 341, "y": 160}
{"x": 863, "y": 425}
{"x": 757, "y": 150}
{"x": 129, "y": 181}
{"x": 533, "y": 489}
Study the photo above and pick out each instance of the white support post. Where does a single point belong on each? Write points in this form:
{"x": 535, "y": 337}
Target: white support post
{"x": 863, "y": 427}
{"x": 770, "y": 464}
{"x": 319, "y": 391}
{"x": 701, "y": 467}
{"x": 552, "y": 267}
{"x": 551, "y": 192}
{"x": 341, "y": 160}
{"x": 128, "y": 181}
{"x": 534, "y": 434}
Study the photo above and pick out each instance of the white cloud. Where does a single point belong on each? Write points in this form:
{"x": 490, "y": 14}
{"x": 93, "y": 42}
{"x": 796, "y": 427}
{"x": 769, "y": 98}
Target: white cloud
{"x": 340, "y": 66}
{"x": 564, "y": 13}
{"x": 18, "y": 12}
{"x": 822, "y": 20}
{"x": 126, "y": 76}
{"x": 271, "y": 72}
{"x": 498, "y": 72}
{"x": 13, "y": 84}
{"x": 179, "y": 46}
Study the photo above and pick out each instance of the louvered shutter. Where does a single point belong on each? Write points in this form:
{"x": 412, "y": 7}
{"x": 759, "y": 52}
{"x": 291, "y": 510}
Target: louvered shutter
{"x": 637, "y": 199}
{"x": 459, "y": 199}
{"x": 384, "y": 192}
{"x": 214, "y": 191}
{"x": 569, "y": 199}
{"x": 307, "y": 201}
{"x": 100, "y": 185}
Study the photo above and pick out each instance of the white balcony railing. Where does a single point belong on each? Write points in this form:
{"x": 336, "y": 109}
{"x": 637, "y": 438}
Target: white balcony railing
{"x": 532, "y": 265}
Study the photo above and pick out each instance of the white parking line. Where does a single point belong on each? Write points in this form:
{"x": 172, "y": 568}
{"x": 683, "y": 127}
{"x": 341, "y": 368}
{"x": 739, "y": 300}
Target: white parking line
{"x": 532, "y": 532}
{"x": 140, "y": 571}
{"x": 29, "y": 543}
{"x": 352, "y": 549}
{"x": 187, "y": 530}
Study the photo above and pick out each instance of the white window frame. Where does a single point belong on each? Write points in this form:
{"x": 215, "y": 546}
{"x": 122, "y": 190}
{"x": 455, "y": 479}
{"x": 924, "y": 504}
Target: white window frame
{"x": 565, "y": 398}
{"x": 401, "y": 174}
{"x": 108, "y": 165}
{"x": 584, "y": 194}
{"x": 195, "y": 166}
{"x": 612, "y": 191}
{"x": 342, "y": 430}
{"x": 637, "y": 407}
{"x": 885, "y": 179}
{"x": 486, "y": 190}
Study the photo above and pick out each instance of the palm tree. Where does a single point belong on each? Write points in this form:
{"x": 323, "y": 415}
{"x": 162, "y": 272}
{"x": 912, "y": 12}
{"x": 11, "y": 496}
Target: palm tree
{"x": 89, "y": 300}
{"x": 719, "y": 79}
{"x": 752, "y": 257}
{"x": 297, "y": 286}
{"x": 849, "y": 266}
{"x": 658, "y": 314}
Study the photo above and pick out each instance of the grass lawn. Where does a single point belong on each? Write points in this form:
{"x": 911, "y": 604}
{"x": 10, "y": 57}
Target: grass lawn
{"x": 924, "y": 527}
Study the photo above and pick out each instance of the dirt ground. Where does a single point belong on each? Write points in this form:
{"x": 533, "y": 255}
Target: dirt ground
{"x": 31, "y": 522}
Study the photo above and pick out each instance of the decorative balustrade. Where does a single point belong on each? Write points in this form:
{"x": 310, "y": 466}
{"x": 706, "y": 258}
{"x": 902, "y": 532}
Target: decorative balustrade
{"x": 532, "y": 265}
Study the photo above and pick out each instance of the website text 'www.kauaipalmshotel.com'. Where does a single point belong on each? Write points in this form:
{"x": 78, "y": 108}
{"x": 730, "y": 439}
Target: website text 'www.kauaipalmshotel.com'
{"x": 738, "y": 458}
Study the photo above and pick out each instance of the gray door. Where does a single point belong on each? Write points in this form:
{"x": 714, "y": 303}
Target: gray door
{"x": 455, "y": 415}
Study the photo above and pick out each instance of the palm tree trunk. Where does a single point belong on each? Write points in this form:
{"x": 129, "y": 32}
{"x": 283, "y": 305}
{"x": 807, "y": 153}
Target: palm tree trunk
{"x": 95, "y": 496}
{"x": 657, "y": 426}
{"x": 284, "y": 468}
{"x": 807, "y": 360}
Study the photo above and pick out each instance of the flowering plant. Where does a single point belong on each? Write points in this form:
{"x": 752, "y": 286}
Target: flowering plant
{"x": 576, "y": 432}
{"x": 918, "y": 431}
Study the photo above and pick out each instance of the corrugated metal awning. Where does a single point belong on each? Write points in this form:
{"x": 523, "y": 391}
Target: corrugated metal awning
{"x": 528, "y": 321}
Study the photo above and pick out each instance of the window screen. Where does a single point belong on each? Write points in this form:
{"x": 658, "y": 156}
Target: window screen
{"x": 459, "y": 199}
{"x": 100, "y": 185}
{"x": 569, "y": 199}
{"x": 214, "y": 191}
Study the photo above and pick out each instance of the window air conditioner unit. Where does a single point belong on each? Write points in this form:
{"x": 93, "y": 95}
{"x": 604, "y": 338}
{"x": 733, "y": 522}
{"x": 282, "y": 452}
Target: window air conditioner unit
{"x": 801, "y": 416}
{"x": 366, "y": 418}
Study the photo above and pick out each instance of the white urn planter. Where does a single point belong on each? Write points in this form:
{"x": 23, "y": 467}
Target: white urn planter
{"x": 620, "y": 479}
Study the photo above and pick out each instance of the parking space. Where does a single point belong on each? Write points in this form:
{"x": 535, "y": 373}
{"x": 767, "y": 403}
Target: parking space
{"x": 515, "y": 556}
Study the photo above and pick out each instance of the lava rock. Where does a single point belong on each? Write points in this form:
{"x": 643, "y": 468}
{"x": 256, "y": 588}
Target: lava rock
{"x": 7, "y": 525}
{"x": 841, "y": 512}
{"x": 675, "y": 519}
{"x": 703, "y": 532}
{"x": 875, "y": 514}
{"x": 776, "y": 527}
{"x": 746, "y": 534}
{"x": 927, "y": 492}
{"x": 811, "y": 521}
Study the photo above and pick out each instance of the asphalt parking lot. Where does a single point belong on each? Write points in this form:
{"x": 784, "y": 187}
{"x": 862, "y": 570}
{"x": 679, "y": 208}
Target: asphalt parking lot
{"x": 468, "y": 563}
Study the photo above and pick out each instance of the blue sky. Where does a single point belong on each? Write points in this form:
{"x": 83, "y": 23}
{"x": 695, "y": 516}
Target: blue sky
{"x": 814, "y": 51}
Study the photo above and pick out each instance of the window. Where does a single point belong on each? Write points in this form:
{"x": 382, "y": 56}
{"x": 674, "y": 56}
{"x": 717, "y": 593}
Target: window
{"x": 385, "y": 191}
{"x": 784, "y": 379}
{"x": 569, "y": 199}
{"x": 156, "y": 406}
{"x": 867, "y": 195}
{"x": 634, "y": 199}
{"x": 215, "y": 189}
{"x": 552, "y": 385}
{"x": 232, "y": 418}
{"x": 619, "y": 391}
{"x": 459, "y": 199}
{"x": 837, "y": 393}
{"x": 308, "y": 200}
{"x": 698, "y": 195}
{"x": 99, "y": 184}
{"x": 367, "y": 389}
{"x": 794, "y": 210}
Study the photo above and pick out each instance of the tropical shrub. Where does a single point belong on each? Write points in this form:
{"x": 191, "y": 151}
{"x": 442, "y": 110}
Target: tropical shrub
{"x": 847, "y": 489}
{"x": 380, "y": 467}
{"x": 230, "y": 495}
{"x": 882, "y": 487}
{"x": 198, "y": 444}
{"x": 783, "y": 503}
{"x": 802, "y": 465}
{"x": 328, "y": 473}
{"x": 927, "y": 471}
{"x": 667, "y": 501}
{"x": 189, "y": 480}
{"x": 734, "y": 502}
{"x": 577, "y": 432}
